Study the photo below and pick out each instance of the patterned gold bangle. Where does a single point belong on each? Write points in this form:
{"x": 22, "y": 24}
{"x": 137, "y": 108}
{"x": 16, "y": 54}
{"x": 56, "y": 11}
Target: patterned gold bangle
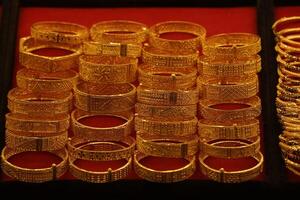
{"x": 166, "y": 78}
{"x": 167, "y": 97}
{"x": 107, "y": 69}
{"x": 104, "y": 98}
{"x": 228, "y": 130}
{"x": 52, "y": 82}
{"x": 185, "y": 45}
{"x": 167, "y": 146}
{"x": 290, "y": 138}
{"x": 228, "y": 88}
{"x": 290, "y": 120}
{"x": 60, "y": 32}
{"x": 232, "y": 44}
{"x": 232, "y": 176}
{"x": 27, "y": 102}
{"x": 120, "y": 31}
{"x": 115, "y": 133}
{"x": 290, "y": 149}
{"x": 30, "y": 60}
{"x": 286, "y": 54}
{"x": 165, "y": 128}
{"x": 34, "y": 175}
{"x": 209, "y": 111}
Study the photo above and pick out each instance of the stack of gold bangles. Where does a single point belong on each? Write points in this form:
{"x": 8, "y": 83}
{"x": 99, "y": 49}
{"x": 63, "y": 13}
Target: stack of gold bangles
{"x": 228, "y": 105}
{"x": 287, "y": 31}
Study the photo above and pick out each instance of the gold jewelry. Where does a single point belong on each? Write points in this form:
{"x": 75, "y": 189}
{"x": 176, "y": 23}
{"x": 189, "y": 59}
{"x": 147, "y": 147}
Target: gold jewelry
{"x": 286, "y": 54}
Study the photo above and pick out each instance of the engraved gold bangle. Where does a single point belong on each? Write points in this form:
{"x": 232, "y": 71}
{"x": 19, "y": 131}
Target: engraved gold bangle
{"x": 104, "y": 98}
{"x": 114, "y": 133}
{"x": 30, "y": 60}
{"x": 60, "y": 32}
{"x": 34, "y": 175}
{"x": 163, "y": 176}
{"x": 184, "y": 45}
{"x": 218, "y": 114}
{"x": 27, "y": 102}
{"x": 165, "y": 128}
{"x": 167, "y": 97}
{"x": 51, "y": 82}
{"x": 167, "y": 146}
{"x": 107, "y": 69}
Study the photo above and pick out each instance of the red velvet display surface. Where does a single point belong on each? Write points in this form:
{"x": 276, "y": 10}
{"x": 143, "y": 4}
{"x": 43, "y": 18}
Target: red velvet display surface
{"x": 215, "y": 20}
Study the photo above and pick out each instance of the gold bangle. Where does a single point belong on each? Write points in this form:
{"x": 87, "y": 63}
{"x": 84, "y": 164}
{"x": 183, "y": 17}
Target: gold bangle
{"x": 156, "y": 112}
{"x": 292, "y": 166}
{"x": 167, "y": 146}
{"x": 30, "y": 60}
{"x": 100, "y": 150}
{"x": 112, "y": 49}
{"x": 228, "y": 88}
{"x": 232, "y": 44}
{"x": 163, "y": 176}
{"x": 228, "y": 130}
{"x": 209, "y": 111}
{"x": 107, "y": 69}
{"x": 114, "y": 133}
{"x": 34, "y": 175}
{"x": 294, "y": 149}
{"x": 104, "y": 98}
{"x": 289, "y": 138}
{"x": 167, "y": 97}
{"x": 60, "y": 32}
{"x": 119, "y": 31}
{"x": 232, "y": 176}
{"x": 27, "y": 102}
{"x": 285, "y": 46}
{"x": 165, "y": 128}
{"x": 166, "y": 78}
{"x": 28, "y": 142}
{"x": 51, "y": 82}
{"x": 288, "y": 55}
{"x": 184, "y": 45}
{"x": 290, "y": 120}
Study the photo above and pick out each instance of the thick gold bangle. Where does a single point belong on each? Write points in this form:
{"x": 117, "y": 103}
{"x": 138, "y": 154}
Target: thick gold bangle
{"x": 165, "y": 128}
{"x": 60, "y": 32}
{"x": 166, "y": 78}
{"x": 37, "y": 62}
{"x": 27, "y": 102}
{"x": 228, "y": 130}
{"x": 29, "y": 142}
{"x": 228, "y": 88}
{"x": 167, "y": 97}
{"x": 167, "y": 146}
{"x": 120, "y": 31}
{"x": 104, "y": 98}
{"x": 51, "y": 82}
{"x": 208, "y": 111}
{"x": 34, "y": 175}
{"x": 100, "y": 150}
{"x": 112, "y": 49}
{"x": 185, "y": 45}
{"x": 107, "y": 69}
{"x": 232, "y": 44}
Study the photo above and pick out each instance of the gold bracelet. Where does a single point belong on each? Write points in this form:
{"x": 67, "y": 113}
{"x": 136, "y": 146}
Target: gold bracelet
{"x": 293, "y": 150}
{"x": 107, "y": 69}
{"x": 34, "y": 175}
{"x": 209, "y": 111}
{"x": 228, "y": 130}
{"x": 184, "y": 45}
{"x": 291, "y": 49}
{"x": 30, "y": 60}
{"x": 60, "y": 32}
{"x": 27, "y": 102}
{"x": 104, "y": 98}
{"x": 228, "y": 88}
{"x": 100, "y": 150}
{"x": 51, "y": 82}
{"x": 165, "y": 128}
{"x": 119, "y": 31}
{"x": 288, "y": 55}
{"x": 112, "y": 49}
{"x": 232, "y": 176}
{"x": 167, "y": 97}
{"x": 166, "y": 78}
{"x": 290, "y": 120}
{"x": 167, "y": 146}
{"x": 232, "y": 44}
{"x": 292, "y": 166}
{"x": 289, "y": 138}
